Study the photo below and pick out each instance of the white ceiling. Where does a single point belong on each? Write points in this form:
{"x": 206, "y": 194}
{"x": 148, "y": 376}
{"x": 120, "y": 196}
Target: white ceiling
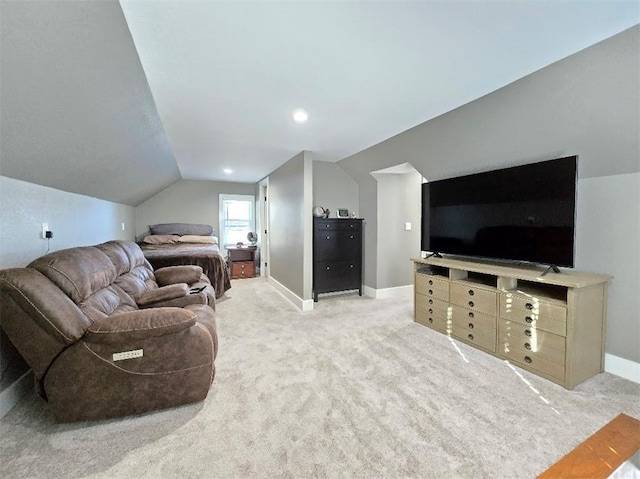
{"x": 226, "y": 76}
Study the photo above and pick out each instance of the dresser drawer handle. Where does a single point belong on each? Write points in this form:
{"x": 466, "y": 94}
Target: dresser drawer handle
{"x": 431, "y": 301}
{"x": 430, "y": 310}
{"x": 528, "y": 359}
{"x": 471, "y": 292}
{"x": 529, "y": 306}
{"x": 470, "y": 337}
{"x": 430, "y": 282}
{"x": 471, "y": 315}
{"x": 350, "y": 236}
{"x": 529, "y": 319}
{"x": 430, "y": 291}
{"x": 328, "y": 267}
{"x": 431, "y": 320}
{"x": 350, "y": 266}
{"x": 471, "y": 326}
{"x": 351, "y": 225}
{"x": 471, "y": 304}
{"x": 527, "y": 346}
{"x": 527, "y": 332}
{"x": 326, "y": 226}
{"x": 328, "y": 237}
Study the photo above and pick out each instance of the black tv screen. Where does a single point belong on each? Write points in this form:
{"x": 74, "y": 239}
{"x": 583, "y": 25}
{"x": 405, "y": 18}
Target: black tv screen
{"x": 524, "y": 213}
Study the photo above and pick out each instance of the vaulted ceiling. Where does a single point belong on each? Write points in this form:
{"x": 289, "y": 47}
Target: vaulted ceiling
{"x": 118, "y": 100}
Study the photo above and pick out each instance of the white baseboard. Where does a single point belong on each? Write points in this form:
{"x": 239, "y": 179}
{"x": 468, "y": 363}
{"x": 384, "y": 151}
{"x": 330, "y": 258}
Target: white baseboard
{"x": 11, "y": 395}
{"x": 395, "y": 292}
{"x": 622, "y": 367}
{"x": 297, "y": 301}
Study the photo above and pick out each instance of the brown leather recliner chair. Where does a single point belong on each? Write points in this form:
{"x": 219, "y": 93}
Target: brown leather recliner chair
{"x": 75, "y": 316}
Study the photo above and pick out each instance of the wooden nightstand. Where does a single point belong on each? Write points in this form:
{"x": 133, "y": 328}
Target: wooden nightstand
{"x": 242, "y": 261}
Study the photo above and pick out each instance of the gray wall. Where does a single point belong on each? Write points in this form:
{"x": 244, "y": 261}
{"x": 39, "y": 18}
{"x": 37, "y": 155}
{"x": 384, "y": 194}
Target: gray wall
{"x": 75, "y": 220}
{"x": 290, "y": 225}
{"x": 585, "y": 104}
{"x": 398, "y": 203}
{"x": 188, "y": 201}
{"x": 333, "y": 188}
{"x": 77, "y": 113}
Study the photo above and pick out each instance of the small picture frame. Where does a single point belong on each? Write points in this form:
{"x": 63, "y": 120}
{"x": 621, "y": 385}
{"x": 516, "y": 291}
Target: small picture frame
{"x": 342, "y": 213}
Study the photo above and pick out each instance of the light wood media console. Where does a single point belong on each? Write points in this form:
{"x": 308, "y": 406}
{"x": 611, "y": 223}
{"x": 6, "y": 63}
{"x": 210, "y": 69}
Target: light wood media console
{"x": 552, "y": 325}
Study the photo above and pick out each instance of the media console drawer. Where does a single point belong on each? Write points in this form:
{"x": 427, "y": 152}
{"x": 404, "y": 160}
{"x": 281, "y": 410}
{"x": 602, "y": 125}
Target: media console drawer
{"x": 549, "y": 324}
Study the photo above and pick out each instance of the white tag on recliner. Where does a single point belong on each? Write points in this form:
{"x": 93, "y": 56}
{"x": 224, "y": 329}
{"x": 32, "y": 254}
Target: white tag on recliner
{"x": 136, "y": 353}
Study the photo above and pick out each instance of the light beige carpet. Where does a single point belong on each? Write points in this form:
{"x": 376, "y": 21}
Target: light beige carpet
{"x": 354, "y": 388}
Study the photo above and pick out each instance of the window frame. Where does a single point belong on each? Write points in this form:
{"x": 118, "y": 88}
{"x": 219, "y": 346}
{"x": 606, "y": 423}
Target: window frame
{"x": 223, "y": 219}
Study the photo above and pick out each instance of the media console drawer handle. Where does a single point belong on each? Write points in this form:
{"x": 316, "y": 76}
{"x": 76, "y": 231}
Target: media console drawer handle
{"x": 471, "y": 315}
{"x": 471, "y": 293}
{"x": 470, "y": 337}
{"x": 471, "y": 304}
{"x": 430, "y": 310}
{"x": 529, "y": 306}
{"x": 471, "y": 326}
{"x": 528, "y": 359}
{"x": 527, "y": 346}
{"x": 431, "y": 320}
{"x": 430, "y": 291}
{"x": 527, "y": 332}
{"x": 430, "y": 282}
{"x": 529, "y": 319}
{"x": 431, "y": 301}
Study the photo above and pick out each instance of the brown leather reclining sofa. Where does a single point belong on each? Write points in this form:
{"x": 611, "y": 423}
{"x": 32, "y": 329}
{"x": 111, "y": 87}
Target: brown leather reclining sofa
{"x": 106, "y": 336}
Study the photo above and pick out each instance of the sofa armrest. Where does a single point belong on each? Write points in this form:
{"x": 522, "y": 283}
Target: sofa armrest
{"x": 164, "y": 293}
{"x": 141, "y": 324}
{"x": 178, "y": 274}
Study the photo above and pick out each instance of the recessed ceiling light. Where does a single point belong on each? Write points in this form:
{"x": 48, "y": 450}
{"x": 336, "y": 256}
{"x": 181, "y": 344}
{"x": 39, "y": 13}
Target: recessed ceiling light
{"x": 300, "y": 116}
{"x": 228, "y": 171}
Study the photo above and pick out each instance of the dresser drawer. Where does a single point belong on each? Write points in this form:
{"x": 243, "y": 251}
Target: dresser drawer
{"x": 243, "y": 269}
{"x": 533, "y": 312}
{"x": 434, "y": 315}
{"x": 482, "y": 337}
{"x": 472, "y": 320}
{"x": 478, "y": 299}
{"x": 539, "y": 350}
{"x": 344, "y": 225}
{"x": 337, "y": 245}
{"x": 337, "y": 276}
{"x": 425, "y": 282}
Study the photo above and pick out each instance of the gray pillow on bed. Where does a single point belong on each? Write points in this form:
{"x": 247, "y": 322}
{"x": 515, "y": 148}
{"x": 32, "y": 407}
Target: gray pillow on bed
{"x": 181, "y": 229}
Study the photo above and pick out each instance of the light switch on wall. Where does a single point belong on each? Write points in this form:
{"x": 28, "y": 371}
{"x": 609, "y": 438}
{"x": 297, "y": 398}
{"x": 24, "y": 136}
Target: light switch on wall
{"x": 407, "y": 226}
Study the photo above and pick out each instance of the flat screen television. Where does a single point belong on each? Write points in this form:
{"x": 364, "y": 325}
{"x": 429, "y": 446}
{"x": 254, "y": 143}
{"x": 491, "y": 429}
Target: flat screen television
{"x": 524, "y": 213}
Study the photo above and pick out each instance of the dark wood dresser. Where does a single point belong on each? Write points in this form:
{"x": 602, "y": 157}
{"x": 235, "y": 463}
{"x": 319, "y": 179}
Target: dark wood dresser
{"x": 337, "y": 255}
{"x": 242, "y": 261}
